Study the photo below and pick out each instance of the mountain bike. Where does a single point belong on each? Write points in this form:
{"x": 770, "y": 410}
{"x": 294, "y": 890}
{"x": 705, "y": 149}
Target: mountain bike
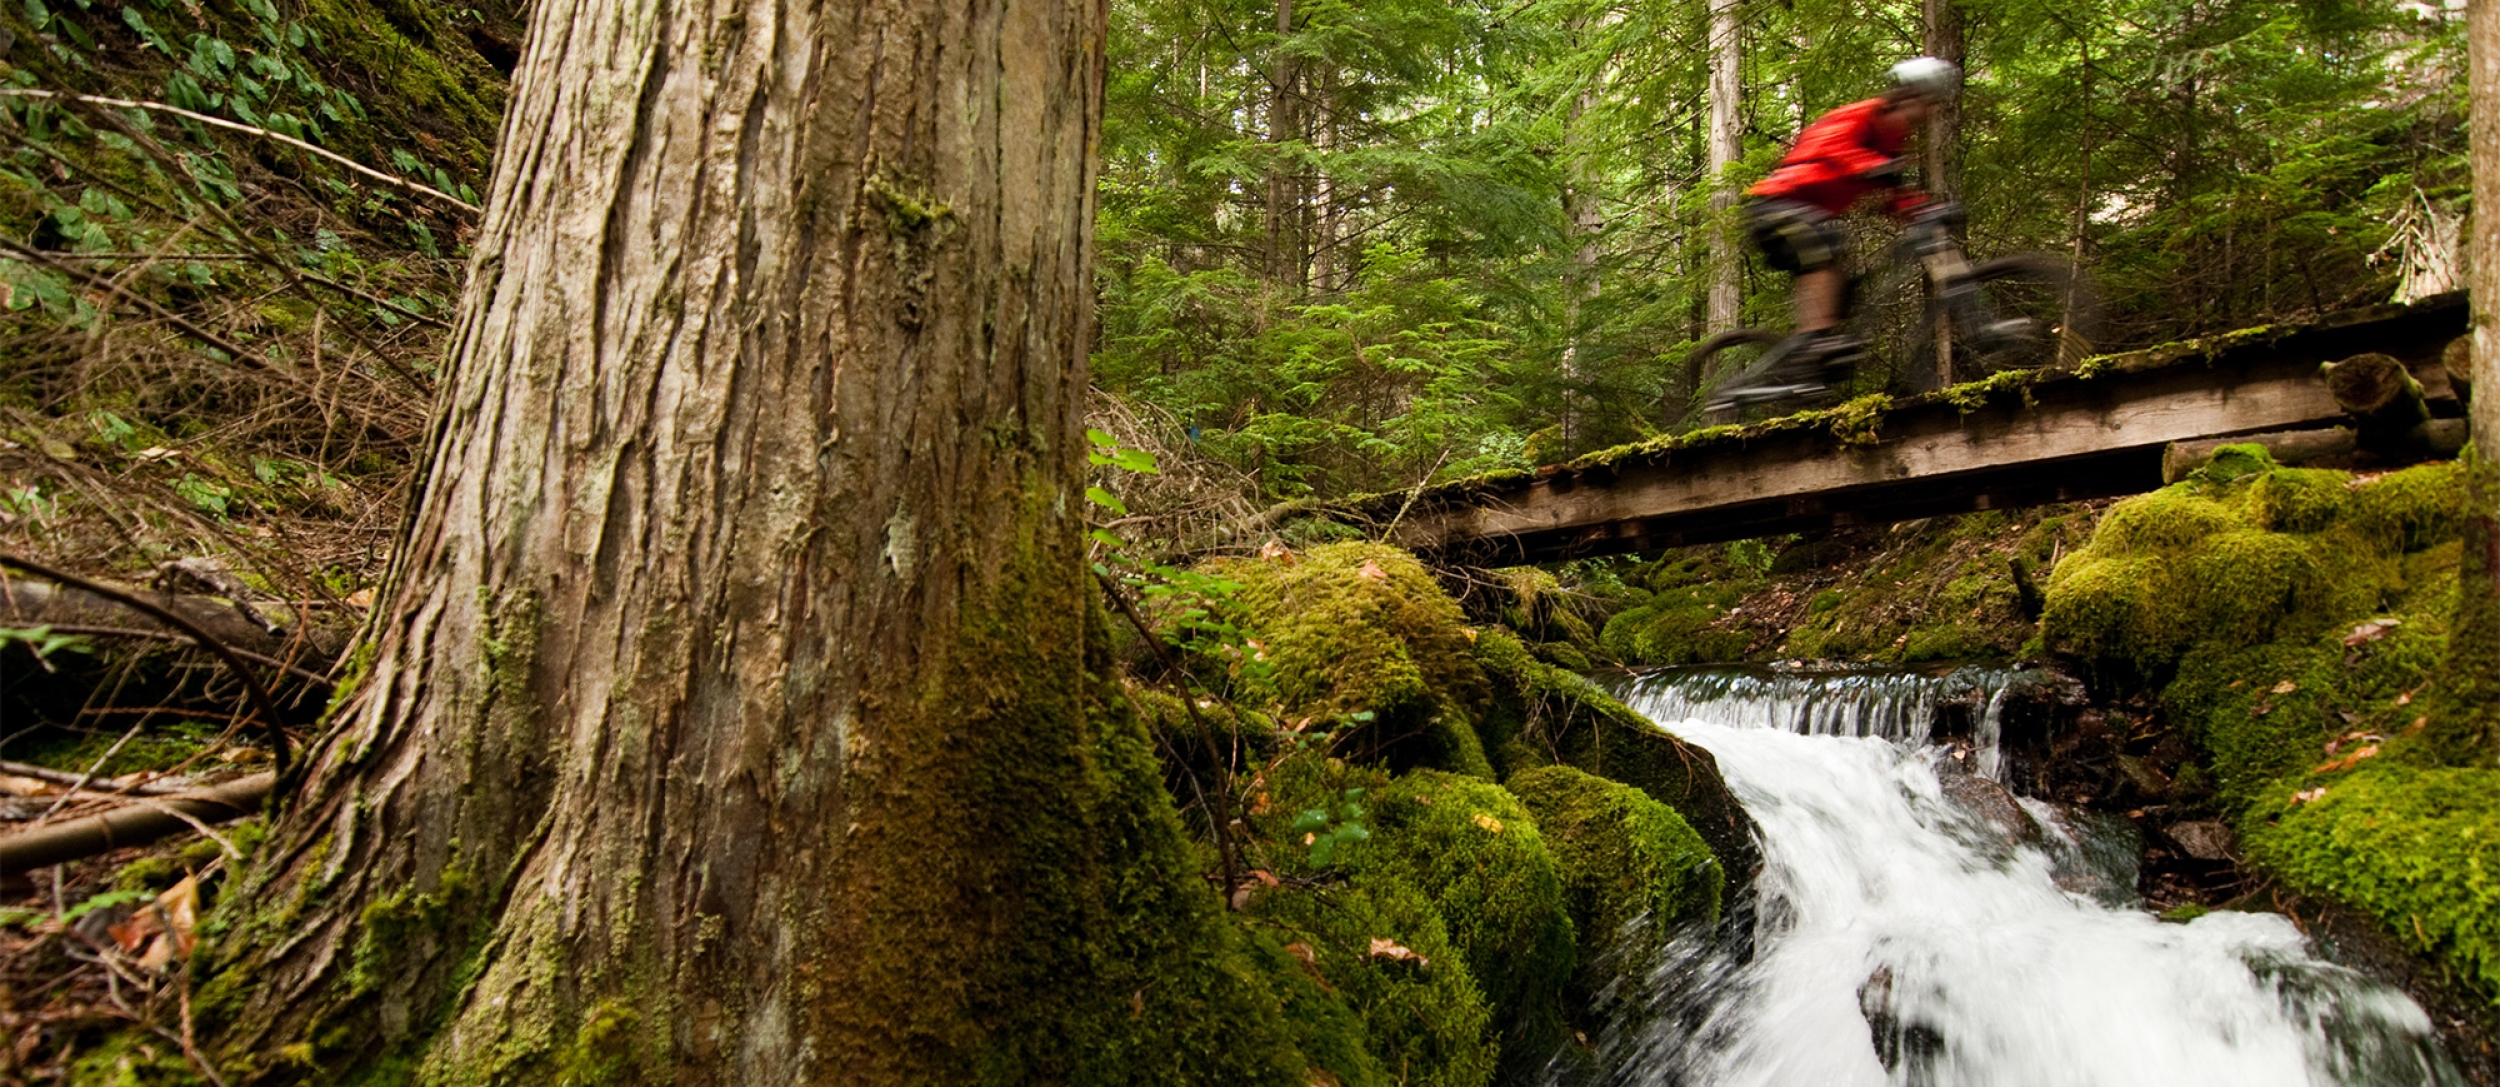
{"x": 1935, "y": 316}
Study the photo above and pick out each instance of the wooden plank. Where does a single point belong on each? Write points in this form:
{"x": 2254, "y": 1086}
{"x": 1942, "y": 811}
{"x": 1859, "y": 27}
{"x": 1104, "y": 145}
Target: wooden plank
{"x": 2075, "y": 438}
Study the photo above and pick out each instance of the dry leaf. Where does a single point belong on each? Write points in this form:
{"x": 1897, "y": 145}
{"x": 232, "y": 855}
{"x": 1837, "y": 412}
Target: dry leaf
{"x": 165, "y": 924}
{"x": 2285, "y": 687}
{"x": 18, "y": 786}
{"x": 1396, "y": 952}
{"x": 1264, "y": 876}
{"x": 2348, "y": 761}
{"x": 2417, "y": 725}
{"x": 2405, "y": 699}
{"x": 1488, "y": 822}
{"x": 361, "y": 598}
{"x": 1302, "y": 951}
{"x": 2306, "y": 795}
{"x": 2371, "y": 631}
{"x": 1274, "y": 549}
{"x": 1371, "y": 569}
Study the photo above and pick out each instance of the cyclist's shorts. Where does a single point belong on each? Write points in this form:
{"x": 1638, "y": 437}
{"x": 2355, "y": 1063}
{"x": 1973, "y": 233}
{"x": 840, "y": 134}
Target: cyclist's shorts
{"x": 1796, "y": 238}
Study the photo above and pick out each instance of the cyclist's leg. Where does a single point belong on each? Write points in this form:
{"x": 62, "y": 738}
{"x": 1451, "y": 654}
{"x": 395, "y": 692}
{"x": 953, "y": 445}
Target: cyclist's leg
{"x": 1802, "y": 240}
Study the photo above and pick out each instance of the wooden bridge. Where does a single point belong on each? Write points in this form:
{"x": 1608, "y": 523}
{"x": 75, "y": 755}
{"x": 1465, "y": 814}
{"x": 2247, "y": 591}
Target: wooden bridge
{"x": 2102, "y": 430}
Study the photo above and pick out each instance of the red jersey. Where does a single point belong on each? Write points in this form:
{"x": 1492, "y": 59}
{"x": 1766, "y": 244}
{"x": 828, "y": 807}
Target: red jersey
{"x": 1828, "y": 166}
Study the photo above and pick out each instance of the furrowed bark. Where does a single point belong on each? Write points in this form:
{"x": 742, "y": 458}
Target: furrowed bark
{"x": 1725, "y": 145}
{"x": 2469, "y": 724}
{"x": 728, "y": 721}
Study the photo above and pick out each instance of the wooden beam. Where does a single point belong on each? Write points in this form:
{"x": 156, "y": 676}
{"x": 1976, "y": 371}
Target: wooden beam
{"x": 2061, "y": 438}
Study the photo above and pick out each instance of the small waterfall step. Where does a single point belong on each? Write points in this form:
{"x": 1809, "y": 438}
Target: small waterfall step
{"x": 1901, "y": 934}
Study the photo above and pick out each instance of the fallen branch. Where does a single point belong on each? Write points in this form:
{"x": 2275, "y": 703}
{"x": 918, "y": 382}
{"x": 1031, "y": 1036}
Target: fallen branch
{"x": 254, "y": 130}
{"x": 264, "y": 707}
{"x": 105, "y": 785}
{"x": 26, "y": 603}
{"x": 134, "y": 824}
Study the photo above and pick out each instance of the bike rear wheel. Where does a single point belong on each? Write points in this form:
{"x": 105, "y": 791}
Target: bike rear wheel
{"x": 2027, "y": 312}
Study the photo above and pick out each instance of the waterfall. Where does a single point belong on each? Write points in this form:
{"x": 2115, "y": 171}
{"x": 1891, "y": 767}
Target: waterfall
{"x": 1914, "y": 924}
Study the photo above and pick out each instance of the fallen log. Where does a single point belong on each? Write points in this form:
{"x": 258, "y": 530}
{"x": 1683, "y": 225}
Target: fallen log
{"x": 131, "y": 824}
{"x": 2328, "y": 447}
{"x": 2385, "y": 401}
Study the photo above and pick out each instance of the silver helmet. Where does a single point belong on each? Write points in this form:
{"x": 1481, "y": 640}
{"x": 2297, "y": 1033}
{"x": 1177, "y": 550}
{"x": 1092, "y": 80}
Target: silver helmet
{"x": 1927, "y": 77}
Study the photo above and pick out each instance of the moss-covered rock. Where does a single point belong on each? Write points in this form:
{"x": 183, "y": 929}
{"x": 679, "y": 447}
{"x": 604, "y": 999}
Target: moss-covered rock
{"x": 1375, "y": 946}
{"x": 2240, "y": 554}
{"x": 1684, "y": 618}
{"x": 1944, "y": 589}
{"x": 1633, "y": 872}
{"x": 1474, "y": 851}
{"x": 2298, "y": 624}
{"x": 1353, "y": 628}
{"x": 1547, "y": 716}
{"x": 2418, "y": 848}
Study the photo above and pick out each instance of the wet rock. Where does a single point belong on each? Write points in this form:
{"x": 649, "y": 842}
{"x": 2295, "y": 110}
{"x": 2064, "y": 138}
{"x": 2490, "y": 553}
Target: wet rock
{"x": 2204, "y": 840}
{"x": 1988, "y": 804}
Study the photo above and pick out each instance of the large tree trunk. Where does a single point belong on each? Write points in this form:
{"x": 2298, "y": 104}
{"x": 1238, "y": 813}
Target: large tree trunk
{"x": 2472, "y": 719}
{"x": 728, "y": 721}
{"x": 1584, "y": 218}
{"x": 1726, "y": 144}
{"x": 1940, "y": 165}
{"x": 1287, "y": 261}
{"x": 1940, "y": 161}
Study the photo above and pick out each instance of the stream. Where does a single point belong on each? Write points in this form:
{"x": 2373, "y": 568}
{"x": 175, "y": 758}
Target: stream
{"x": 1916, "y": 924}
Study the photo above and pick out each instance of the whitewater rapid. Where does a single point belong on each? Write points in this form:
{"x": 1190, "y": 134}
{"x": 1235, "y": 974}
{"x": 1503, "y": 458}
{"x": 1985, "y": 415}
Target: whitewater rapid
{"x": 1903, "y": 934}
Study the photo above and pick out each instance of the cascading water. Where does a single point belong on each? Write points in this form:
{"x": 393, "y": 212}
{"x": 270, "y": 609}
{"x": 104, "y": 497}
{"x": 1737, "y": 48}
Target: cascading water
{"x": 1913, "y": 924}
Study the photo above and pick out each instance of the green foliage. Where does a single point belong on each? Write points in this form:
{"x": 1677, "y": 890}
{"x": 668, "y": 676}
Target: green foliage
{"x": 42, "y": 642}
{"x": 1397, "y": 239}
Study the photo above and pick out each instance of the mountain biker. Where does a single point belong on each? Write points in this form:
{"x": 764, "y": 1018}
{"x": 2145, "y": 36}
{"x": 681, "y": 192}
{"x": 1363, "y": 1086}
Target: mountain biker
{"x": 1840, "y": 159}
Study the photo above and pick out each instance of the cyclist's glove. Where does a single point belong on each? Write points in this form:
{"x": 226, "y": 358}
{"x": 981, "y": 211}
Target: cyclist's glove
{"x": 1949, "y": 212}
{"x": 1885, "y": 173}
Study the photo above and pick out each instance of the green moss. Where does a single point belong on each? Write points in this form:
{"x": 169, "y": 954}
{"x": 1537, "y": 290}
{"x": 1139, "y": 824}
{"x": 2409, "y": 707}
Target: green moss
{"x": 149, "y": 874}
{"x": 1547, "y": 716}
{"x": 1475, "y": 853}
{"x": 2417, "y": 848}
{"x": 2418, "y": 508}
{"x": 1685, "y": 619}
{"x": 1634, "y": 873}
{"x": 1323, "y": 1022}
{"x": 134, "y": 1058}
{"x": 2241, "y": 555}
{"x": 1363, "y": 628}
{"x": 1423, "y": 1018}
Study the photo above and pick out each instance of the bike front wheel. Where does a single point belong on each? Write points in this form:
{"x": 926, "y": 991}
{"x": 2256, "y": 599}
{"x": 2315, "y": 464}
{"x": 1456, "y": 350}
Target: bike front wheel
{"x": 1717, "y": 361}
{"x": 2024, "y": 312}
